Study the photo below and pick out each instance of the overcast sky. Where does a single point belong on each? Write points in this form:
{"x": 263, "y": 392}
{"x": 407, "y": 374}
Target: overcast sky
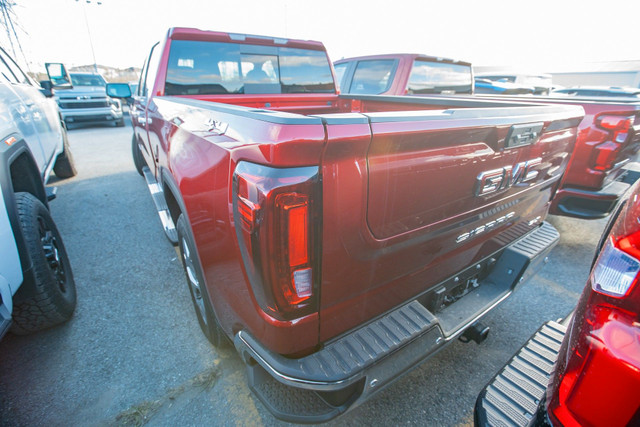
{"x": 540, "y": 35}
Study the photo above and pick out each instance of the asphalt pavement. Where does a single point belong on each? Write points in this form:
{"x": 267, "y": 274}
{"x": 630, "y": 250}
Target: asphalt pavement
{"x": 133, "y": 352}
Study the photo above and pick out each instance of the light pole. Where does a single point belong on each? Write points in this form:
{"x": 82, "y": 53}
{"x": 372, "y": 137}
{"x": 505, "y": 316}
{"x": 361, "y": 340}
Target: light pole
{"x": 86, "y": 21}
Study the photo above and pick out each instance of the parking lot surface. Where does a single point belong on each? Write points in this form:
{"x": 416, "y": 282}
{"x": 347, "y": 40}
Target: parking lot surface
{"x": 133, "y": 352}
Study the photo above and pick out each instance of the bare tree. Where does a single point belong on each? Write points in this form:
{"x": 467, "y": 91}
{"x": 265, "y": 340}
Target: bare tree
{"x": 10, "y": 24}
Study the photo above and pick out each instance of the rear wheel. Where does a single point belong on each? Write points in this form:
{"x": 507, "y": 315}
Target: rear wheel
{"x": 52, "y": 299}
{"x": 195, "y": 279}
{"x": 64, "y": 166}
{"x": 120, "y": 123}
{"x": 138, "y": 161}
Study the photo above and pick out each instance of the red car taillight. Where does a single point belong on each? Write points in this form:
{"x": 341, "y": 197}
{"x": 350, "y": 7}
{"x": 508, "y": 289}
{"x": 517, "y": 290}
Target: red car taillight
{"x": 617, "y": 133}
{"x": 276, "y": 212}
{"x": 597, "y": 375}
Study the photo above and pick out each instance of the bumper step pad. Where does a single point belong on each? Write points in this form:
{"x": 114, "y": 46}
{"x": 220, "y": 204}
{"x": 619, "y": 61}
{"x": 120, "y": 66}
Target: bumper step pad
{"x": 512, "y": 397}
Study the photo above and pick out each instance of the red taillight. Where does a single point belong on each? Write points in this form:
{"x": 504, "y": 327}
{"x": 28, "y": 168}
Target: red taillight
{"x": 296, "y": 277}
{"x": 618, "y": 128}
{"x": 605, "y": 155}
{"x": 611, "y": 122}
{"x": 295, "y": 217}
{"x": 631, "y": 245}
{"x": 277, "y": 222}
{"x": 597, "y": 372}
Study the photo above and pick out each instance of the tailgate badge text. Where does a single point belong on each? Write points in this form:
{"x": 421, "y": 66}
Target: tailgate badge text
{"x": 501, "y": 179}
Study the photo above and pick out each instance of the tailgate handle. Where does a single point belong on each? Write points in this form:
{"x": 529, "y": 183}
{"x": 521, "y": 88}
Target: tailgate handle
{"x": 524, "y": 134}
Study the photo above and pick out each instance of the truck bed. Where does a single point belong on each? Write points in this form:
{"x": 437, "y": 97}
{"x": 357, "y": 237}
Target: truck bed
{"x": 399, "y": 180}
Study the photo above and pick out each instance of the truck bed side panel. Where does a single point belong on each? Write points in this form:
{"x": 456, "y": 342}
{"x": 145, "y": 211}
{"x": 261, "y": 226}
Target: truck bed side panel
{"x": 206, "y": 141}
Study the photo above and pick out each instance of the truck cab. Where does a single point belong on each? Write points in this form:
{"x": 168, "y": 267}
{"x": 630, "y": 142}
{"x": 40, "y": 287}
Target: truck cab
{"x": 403, "y": 74}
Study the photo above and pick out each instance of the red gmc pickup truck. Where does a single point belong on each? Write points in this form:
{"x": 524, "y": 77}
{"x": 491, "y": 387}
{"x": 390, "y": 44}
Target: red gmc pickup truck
{"x": 338, "y": 240}
{"x": 602, "y": 166}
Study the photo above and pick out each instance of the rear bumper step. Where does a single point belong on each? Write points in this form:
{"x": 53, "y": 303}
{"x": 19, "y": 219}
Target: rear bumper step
{"x": 350, "y": 369}
{"x": 513, "y": 396}
{"x": 585, "y": 204}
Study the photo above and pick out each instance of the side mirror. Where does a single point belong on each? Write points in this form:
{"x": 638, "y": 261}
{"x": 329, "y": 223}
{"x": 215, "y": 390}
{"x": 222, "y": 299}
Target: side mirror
{"x": 47, "y": 88}
{"x": 58, "y": 75}
{"x": 118, "y": 90}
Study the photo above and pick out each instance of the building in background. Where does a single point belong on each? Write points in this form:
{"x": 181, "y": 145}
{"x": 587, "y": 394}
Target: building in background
{"x": 618, "y": 73}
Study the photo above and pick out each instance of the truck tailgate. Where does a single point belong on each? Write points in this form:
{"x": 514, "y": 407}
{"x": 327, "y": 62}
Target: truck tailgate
{"x": 418, "y": 197}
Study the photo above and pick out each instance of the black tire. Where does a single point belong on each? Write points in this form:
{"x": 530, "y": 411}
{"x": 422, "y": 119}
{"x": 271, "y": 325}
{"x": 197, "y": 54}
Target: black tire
{"x": 138, "y": 160}
{"x": 120, "y": 123}
{"x": 65, "y": 167}
{"x": 199, "y": 294}
{"x": 52, "y": 300}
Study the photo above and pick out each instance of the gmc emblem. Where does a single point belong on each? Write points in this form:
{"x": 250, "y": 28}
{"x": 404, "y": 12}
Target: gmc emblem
{"x": 500, "y": 179}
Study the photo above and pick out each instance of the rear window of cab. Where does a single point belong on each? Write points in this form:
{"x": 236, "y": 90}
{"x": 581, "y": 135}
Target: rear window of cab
{"x": 214, "y": 68}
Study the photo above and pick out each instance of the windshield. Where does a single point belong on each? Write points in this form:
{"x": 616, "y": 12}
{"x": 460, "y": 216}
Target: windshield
{"x": 209, "y": 68}
{"x": 87, "y": 80}
{"x": 439, "y": 77}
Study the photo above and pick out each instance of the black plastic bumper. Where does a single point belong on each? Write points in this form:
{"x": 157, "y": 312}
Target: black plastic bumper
{"x": 585, "y": 204}
{"x": 350, "y": 369}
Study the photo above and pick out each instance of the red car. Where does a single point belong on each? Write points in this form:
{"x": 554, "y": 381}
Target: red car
{"x": 586, "y": 370}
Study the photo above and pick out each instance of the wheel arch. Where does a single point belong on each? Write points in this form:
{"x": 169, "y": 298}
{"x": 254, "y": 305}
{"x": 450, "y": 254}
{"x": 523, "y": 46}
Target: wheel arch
{"x": 19, "y": 173}
{"x": 172, "y": 197}
{"x": 24, "y": 173}
{"x": 176, "y": 208}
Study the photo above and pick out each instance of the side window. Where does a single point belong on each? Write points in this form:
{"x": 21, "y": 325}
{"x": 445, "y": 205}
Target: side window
{"x": 340, "y": 70}
{"x": 372, "y": 77}
{"x": 439, "y": 77}
{"x": 149, "y": 72}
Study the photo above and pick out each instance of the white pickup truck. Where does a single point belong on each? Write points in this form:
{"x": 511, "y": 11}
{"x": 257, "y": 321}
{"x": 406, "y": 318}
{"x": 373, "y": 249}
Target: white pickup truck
{"x": 37, "y": 289}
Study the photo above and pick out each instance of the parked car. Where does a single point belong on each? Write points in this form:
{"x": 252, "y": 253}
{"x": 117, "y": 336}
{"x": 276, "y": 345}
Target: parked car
{"x": 37, "y": 289}
{"x": 403, "y": 74}
{"x": 485, "y": 86}
{"x": 85, "y": 100}
{"x": 584, "y": 371}
{"x": 541, "y": 83}
{"x": 598, "y": 91}
{"x": 337, "y": 240}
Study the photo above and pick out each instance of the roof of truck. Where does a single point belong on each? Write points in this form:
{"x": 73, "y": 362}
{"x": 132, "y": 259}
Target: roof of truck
{"x": 182, "y": 33}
